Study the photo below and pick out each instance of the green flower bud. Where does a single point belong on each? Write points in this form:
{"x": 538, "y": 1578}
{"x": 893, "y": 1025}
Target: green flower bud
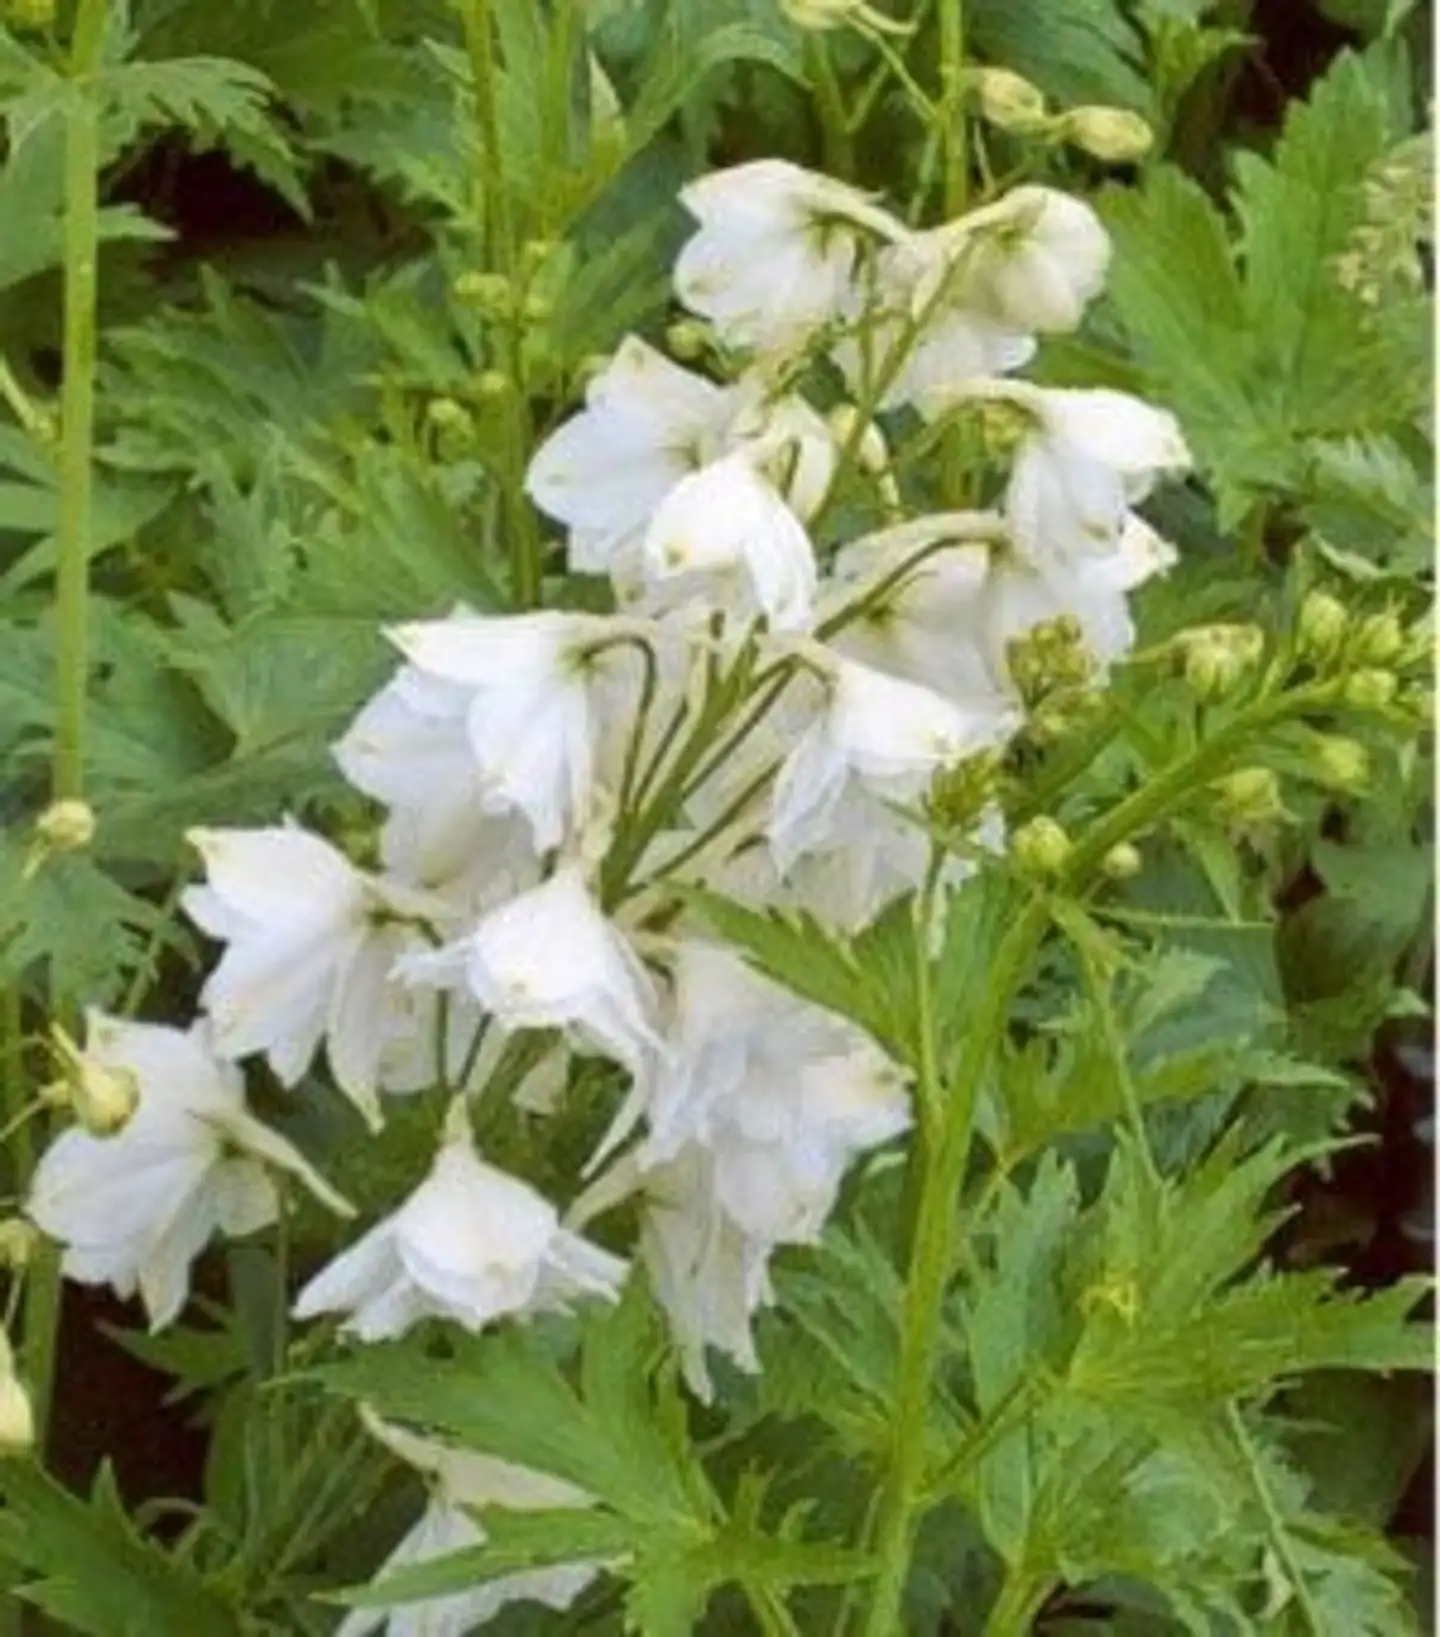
{"x": 17, "y": 1418}
{"x": 103, "y": 1099}
{"x": 1371, "y": 689}
{"x": 493, "y": 385}
{"x": 492, "y": 295}
{"x": 1115, "y": 136}
{"x": 66, "y": 826}
{"x": 1214, "y": 658}
{"x": 1008, "y": 100}
{"x": 1251, "y": 796}
{"x": 537, "y": 309}
{"x": 1322, "y": 626}
{"x": 1341, "y": 763}
{"x": 1122, "y": 862}
{"x": 535, "y": 253}
{"x": 960, "y": 795}
{"x": 445, "y": 414}
{"x": 18, "y": 1239}
{"x": 688, "y": 339}
{"x": 1379, "y": 639}
{"x": 1040, "y": 848}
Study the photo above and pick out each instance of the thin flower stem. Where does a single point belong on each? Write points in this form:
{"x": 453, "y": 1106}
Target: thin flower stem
{"x": 1114, "y": 1042}
{"x": 838, "y": 147}
{"x": 72, "y": 577}
{"x": 952, "y": 106}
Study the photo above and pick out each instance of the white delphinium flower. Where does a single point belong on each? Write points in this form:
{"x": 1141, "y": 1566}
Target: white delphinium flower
{"x": 409, "y": 748}
{"x": 550, "y": 960}
{"x": 135, "y": 1209}
{"x": 311, "y": 942}
{"x": 875, "y": 739}
{"x": 726, "y": 533}
{"x": 776, "y": 253}
{"x": 647, "y": 426}
{"x": 459, "y": 1479}
{"x": 545, "y": 690}
{"x": 1083, "y": 457}
{"x": 471, "y": 1244}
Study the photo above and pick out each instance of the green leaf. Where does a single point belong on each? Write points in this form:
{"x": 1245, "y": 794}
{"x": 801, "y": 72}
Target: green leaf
{"x": 96, "y": 1573}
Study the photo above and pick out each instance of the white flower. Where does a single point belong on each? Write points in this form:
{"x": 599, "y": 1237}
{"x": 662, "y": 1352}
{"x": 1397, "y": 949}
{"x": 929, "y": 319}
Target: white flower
{"x": 708, "y": 1276}
{"x": 471, "y": 1244}
{"x": 409, "y": 747}
{"x": 1033, "y": 260}
{"x": 460, "y": 1479}
{"x": 543, "y": 689}
{"x": 1084, "y": 457}
{"x": 648, "y": 425}
{"x": 134, "y": 1210}
{"x": 549, "y": 960}
{"x": 776, "y": 253}
{"x": 877, "y": 737}
{"x": 311, "y": 943}
{"x": 727, "y": 528}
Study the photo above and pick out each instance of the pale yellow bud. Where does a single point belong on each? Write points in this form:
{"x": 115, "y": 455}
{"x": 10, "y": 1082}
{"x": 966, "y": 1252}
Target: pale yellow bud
{"x": 18, "y": 1240}
{"x": 66, "y": 826}
{"x": 688, "y": 339}
{"x": 537, "y": 309}
{"x": 1322, "y": 625}
{"x": 445, "y": 414}
{"x": 1251, "y": 796}
{"x": 490, "y": 294}
{"x": 1122, "y": 862}
{"x": 1041, "y": 847}
{"x": 535, "y": 253}
{"x": 103, "y": 1099}
{"x": 1341, "y": 763}
{"x": 1116, "y": 136}
{"x": 493, "y": 384}
{"x": 17, "y": 1419}
{"x": 1008, "y": 100}
{"x": 1371, "y": 689}
{"x": 1379, "y": 639}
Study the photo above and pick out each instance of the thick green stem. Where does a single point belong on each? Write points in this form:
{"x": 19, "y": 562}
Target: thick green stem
{"x": 1014, "y": 1611}
{"x": 72, "y": 579}
{"x": 952, "y": 106}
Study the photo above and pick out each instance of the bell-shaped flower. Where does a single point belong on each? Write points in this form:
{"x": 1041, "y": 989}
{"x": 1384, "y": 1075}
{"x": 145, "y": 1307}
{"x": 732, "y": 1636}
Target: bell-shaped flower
{"x": 409, "y": 748}
{"x": 544, "y": 691}
{"x": 310, "y": 944}
{"x": 457, "y": 1480}
{"x": 648, "y": 425}
{"x": 777, "y": 252}
{"x": 135, "y": 1209}
{"x": 726, "y": 532}
{"x": 875, "y": 738}
{"x": 1033, "y": 260}
{"x": 549, "y": 959}
{"x": 1083, "y": 457}
{"x": 471, "y": 1244}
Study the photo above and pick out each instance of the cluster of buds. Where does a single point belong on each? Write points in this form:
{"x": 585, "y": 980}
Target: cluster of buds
{"x": 1215, "y": 659}
{"x": 961, "y": 794}
{"x": 1384, "y": 250}
{"x": 1250, "y": 799}
{"x": 1008, "y": 101}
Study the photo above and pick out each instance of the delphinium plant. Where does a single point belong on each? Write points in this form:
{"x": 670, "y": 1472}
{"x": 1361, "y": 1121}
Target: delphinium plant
{"x": 742, "y": 1095}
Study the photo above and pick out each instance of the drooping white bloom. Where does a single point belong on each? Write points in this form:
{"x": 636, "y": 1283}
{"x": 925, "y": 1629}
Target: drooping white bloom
{"x": 1033, "y": 260}
{"x": 876, "y": 738}
{"x": 311, "y": 942}
{"x": 542, "y": 689}
{"x": 409, "y": 748}
{"x": 134, "y": 1210}
{"x": 459, "y": 1479}
{"x": 471, "y": 1244}
{"x": 550, "y": 960}
{"x": 725, "y": 529}
{"x": 776, "y": 252}
{"x": 1083, "y": 459}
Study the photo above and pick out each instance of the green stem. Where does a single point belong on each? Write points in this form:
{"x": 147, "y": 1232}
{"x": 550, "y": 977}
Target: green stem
{"x": 837, "y": 145}
{"x": 492, "y": 203}
{"x": 952, "y": 106}
{"x": 72, "y": 578}
{"x": 932, "y": 1258}
{"x": 1014, "y": 1611}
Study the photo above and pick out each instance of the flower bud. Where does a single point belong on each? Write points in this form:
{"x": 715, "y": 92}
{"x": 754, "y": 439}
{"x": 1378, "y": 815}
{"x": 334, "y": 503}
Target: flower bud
{"x": 18, "y": 1239}
{"x": 1251, "y": 796}
{"x": 1008, "y": 100}
{"x": 1216, "y": 657}
{"x": 1341, "y": 763}
{"x": 1379, "y": 639}
{"x": 537, "y": 309}
{"x": 493, "y": 385}
{"x": 492, "y": 295}
{"x": 1040, "y": 848}
{"x": 535, "y": 253}
{"x": 17, "y": 1419}
{"x": 1122, "y": 862}
{"x": 29, "y": 14}
{"x": 688, "y": 339}
{"x": 66, "y": 826}
{"x": 1116, "y": 136}
{"x": 1371, "y": 689}
{"x": 446, "y": 415}
{"x": 1322, "y": 625}
{"x": 960, "y": 794}
{"x": 102, "y": 1098}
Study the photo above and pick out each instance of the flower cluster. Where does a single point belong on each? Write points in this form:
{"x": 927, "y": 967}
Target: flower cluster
{"x": 758, "y": 712}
